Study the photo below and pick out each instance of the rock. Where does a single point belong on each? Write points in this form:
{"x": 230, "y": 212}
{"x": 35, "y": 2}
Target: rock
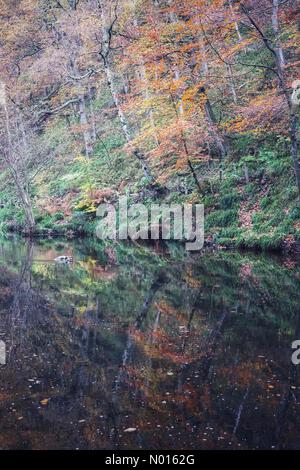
{"x": 64, "y": 259}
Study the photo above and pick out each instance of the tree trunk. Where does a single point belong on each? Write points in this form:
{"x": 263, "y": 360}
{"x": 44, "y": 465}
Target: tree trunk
{"x": 105, "y": 55}
{"x": 92, "y": 115}
{"x": 30, "y": 220}
{"x": 278, "y": 54}
{"x": 147, "y": 97}
{"x": 235, "y": 22}
{"x": 231, "y": 82}
{"x": 211, "y": 118}
{"x": 83, "y": 118}
{"x": 20, "y": 181}
{"x": 84, "y": 123}
{"x": 276, "y": 29}
{"x": 280, "y": 62}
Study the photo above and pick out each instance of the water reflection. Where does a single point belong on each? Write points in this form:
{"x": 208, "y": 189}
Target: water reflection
{"x": 130, "y": 348}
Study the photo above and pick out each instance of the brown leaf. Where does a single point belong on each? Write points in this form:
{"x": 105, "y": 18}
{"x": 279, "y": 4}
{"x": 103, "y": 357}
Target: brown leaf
{"x": 44, "y": 401}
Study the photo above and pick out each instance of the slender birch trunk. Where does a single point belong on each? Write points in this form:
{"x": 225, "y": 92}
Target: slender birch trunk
{"x": 234, "y": 20}
{"x": 84, "y": 123}
{"x": 92, "y": 115}
{"x": 147, "y": 97}
{"x": 210, "y": 116}
{"x": 276, "y": 30}
{"x": 18, "y": 174}
{"x": 231, "y": 82}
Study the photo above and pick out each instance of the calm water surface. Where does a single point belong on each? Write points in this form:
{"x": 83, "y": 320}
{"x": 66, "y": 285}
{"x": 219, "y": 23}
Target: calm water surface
{"x": 133, "y": 348}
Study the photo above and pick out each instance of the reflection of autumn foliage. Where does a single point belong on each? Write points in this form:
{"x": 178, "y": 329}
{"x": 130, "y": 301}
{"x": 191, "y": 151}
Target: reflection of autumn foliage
{"x": 289, "y": 242}
{"x": 243, "y": 374}
{"x": 167, "y": 309}
{"x": 246, "y": 271}
{"x": 290, "y": 263}
{"x": 164, "y": 347}
{"x": 191, "y": 280}
{"x": 189, "y": 379}
{"x": 152, "y": 385}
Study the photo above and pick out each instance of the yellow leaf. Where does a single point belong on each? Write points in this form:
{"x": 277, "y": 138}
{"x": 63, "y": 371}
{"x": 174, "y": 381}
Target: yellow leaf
{"x": 44, "y": 401}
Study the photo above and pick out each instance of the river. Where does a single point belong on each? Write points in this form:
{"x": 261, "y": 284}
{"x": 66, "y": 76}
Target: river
{"x": 137, "y": 347}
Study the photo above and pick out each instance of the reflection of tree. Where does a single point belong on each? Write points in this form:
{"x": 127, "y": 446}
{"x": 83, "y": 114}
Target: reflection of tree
{"x": 21, "y": 298}
{"x": 157, "y": 283}
{"x": 288, "y": 396}
{"x": 219, "y": 356}
{"x": 204, "y": 355}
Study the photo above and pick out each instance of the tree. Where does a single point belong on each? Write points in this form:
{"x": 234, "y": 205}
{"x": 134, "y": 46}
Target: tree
{"x": 108, "y": 22}
{"x": 17, "y": 156}
{"x": 275, "y": 48}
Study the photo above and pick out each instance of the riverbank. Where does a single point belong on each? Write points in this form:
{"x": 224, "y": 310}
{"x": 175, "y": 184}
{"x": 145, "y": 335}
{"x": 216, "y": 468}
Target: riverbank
{"x": 290, "y": 247}
{"x": 260, "y": 212}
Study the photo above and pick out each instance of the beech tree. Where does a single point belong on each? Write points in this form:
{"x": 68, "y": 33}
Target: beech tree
{"x": 22, "y": 154}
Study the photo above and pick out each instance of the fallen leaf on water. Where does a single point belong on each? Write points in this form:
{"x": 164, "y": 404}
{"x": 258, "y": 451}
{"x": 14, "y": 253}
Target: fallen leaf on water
{"x": 130, "y": 430}
{"x": 44, "y": 401}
